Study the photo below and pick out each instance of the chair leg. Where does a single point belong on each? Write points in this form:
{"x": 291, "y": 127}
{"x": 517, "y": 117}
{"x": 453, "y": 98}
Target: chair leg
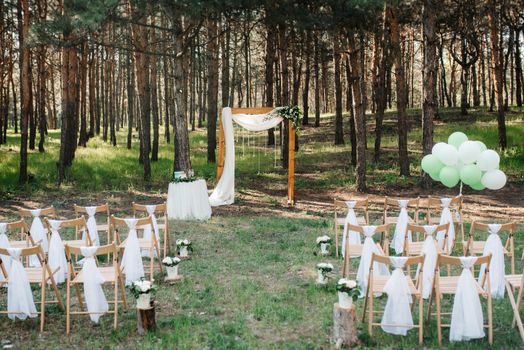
{"x": 124, "y": 299}
{"x": 115, "y": 319}
{"x": 336, "y": 239}
{"x": 57, "y": 293}
{"x": 519, "y": 303}
{"x": 516, "y": 311}
{"x": 430, "y": 304}
{"x": 42, "y": 307}
{"x": 420, "y": 319}
{"x": 439, "y": 321}
{"x": 490, "y": 321}
{"x": 79, "y": 296}
{"x": 370, "y": 317}
{"x": 151, "y": 265}
{"x": 68, "y": 307}
{"x": 157, "y": 249}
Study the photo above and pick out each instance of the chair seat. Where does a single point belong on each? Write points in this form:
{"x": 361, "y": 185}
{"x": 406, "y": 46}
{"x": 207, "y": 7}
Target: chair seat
{"x": 448, "y": 285}
{"x": 34, "y": 274}
{"x": 107, "y": 272}
{"x": 76, "y": 243}
{"x": 394, "y": 219}
{"x": 415, "y": 248}
{"x": 142, "y": 243}
{"x": 19, "y": 244}
{"x": 360, "y": 219}
{"x": 514, "y": 280}
{"x": 477, "y": 247}
{"x": 102, "y": 227}
{"x": 380, "y": 281}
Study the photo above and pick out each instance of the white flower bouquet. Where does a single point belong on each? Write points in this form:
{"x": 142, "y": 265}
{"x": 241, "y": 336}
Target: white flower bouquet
{"x": 348, "y": 292}
{"x": 183, "y": 246}
{"x": 171, "y": 261}
{"x": 322, "y": 272}
{"x": 142, "y": 286}
{"x": 323, "y": 240}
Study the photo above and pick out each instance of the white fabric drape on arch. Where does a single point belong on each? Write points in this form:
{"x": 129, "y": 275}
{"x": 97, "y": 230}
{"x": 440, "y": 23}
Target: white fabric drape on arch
{"x": 497, "y": 268}
{"x": 224, "y": 192}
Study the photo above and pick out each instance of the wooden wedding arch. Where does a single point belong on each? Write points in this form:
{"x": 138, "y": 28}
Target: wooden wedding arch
{"x": 291, "y": 149}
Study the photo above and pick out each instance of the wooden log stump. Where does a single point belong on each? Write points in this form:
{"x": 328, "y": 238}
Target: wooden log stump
{"x": 345, "y": 323}
{"x": 145, "y": 320}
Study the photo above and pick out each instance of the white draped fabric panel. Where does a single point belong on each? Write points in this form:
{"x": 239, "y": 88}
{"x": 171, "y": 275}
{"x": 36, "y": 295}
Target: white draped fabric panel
{"x": 401, "y": 227}
{"x": 224, "y": 192}
{"x": 365, "y": 260}
{"x": 4, "y": 243}
{"x": 148, "y": 229}
{"x": 38, "y": 231}
{"x": 430, "y": 252}
{"x": 132, "y": 265}
{"x": 94, "y": 294}
{"x": 188, "y": 201}
{"x": 446, "y": 217}
{"x": 351, "y": 218}
{"x": 20, "y": 303}
{"x": 91, "y": 226}
{"x": 57, "y": 257}
{"x": 497, "y": 267}
{"x": 397, "y": 317}
{"x": 467, "y": 320}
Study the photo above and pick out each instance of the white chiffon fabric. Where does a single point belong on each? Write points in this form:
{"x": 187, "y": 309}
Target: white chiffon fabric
{"x": 188, "y": 201}
{"x": 430, "y": 252}
{"x": 38, "y": 231}
{"x": 148, "y": 229}
{"x": 351, "y": 218}
{"x": 368, "y": 249}
{"x": 467, "y": 320}
{"x": 132, "y": 265}
{"x": 91, "y": 226}
{"x": 4, "y": 243}
{"x": 224, "y": 192}
{"x": 398, "y": 307}
{"x": 446, "y": 217}
{"x": 20, "y": 303}
{"x": 94, "y": 294}
{"x": 57, "y": 257}
{"x": 497, "y": 268}
{"x": 401, "y": 227}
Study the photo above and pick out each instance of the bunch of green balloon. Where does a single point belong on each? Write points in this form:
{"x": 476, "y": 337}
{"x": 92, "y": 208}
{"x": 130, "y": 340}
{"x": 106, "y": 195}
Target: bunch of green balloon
{"x": 464, "y": 160}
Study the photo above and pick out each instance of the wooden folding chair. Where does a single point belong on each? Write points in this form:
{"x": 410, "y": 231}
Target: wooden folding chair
{"x": 355, "y": 250}
{"x": 112, "y": 275}
{"x": 434, "y": 210}
{"x": 476, "y": 247}
{"x": 516, "y": 283}
{"x": 340, "y": 206}
{"x": 25, "y": 240}
{"x": 103, "y": 226}
{"x": 447, "y": 285}
{"x": 415, "y": 247}
{"x": 392, "y": 210}
{"x": 162, "y": 221}
{"x": 149, "y": 244}
{"x": 41, "y": 276}
{"x": 79, "y": 225}
{"x": 44, "y": 212}
{"x": 376, "y": 285}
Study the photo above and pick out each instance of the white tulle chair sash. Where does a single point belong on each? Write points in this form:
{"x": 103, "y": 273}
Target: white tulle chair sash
{"x": 351, "y": 218}
{"x": 38, "y": 231}
{"x": 57, "y": 257}
{"x": 397, "y": 318}
{"x": 467, "y": 320}
{"x": 430, "y": 252}
{"x": 92, "y": 228}
{"x": 4, "y": 243}
{"x": 401, "y": 227}
{"x": 147, "y": 230}
{"x": 132, "y": 265}
{"x": 368, "y": 249}
{"x": 20, "y": 303}
{"x": 94, "y": 294}
{"x": 446, "y": 217}
{"x": 497, "y": 268}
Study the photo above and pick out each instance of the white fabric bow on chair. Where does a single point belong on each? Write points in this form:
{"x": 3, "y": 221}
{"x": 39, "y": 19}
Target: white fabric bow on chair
{"x": 351, "y": 218}
{"x": 467, "y": 320}
{"x": 147, "y": 229}
{"x": 401, "y": 226}
{"x": 38, "y": 231}
{"x": 57, "y": 257}
{"x": 446, "y": 217}
{"x": 20, "y": 303}
{"x": 398, "y": 310}
{"x": 132, "y": 265}
{"x": 91, "y": 226}
{"x": 365, "y": 260}
{"x": 429, "y": 250}
{"x": 497, "y": 267}
{"x": 95, "y": 298}
{"x": 4, "y": 243}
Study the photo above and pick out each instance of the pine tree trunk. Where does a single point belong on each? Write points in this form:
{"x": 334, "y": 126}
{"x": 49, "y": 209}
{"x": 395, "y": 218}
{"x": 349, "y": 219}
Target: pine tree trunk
{"x": 380, "y": 60}
{"x": 518, "y": 70}
{"x": 212, "y": 88}
{"x": 154, "y": 97}
{"x": 131, "y": 98}
{"x": 25, "y": 85}
{"x": 285, "y": 89}
{"x": 339, "y": 131}
{"x": 82, "y": 140}
{"x": 317, "y": 84}
{"x": 268, "y": 76}
{"x": 351, "y": 111}
{"x": 307, "y": 79}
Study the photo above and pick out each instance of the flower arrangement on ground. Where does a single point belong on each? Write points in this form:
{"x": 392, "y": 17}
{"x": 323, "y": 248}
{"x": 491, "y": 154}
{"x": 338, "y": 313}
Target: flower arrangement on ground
{"x": 322, "y": 272}
{"x": 171, "y": 264}
{"x": 183, "y": 247}
{"x": 142, "y": 291}
{"x": 348, "y": 292}
{"x": 323, "y": 242}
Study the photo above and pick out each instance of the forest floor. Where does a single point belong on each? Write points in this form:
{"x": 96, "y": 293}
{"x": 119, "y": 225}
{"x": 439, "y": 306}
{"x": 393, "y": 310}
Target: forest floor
{"x": 251, "y": 281}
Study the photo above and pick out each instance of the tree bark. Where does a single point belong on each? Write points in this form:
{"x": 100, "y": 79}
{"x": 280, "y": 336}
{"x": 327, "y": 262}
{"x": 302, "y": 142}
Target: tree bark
{"x": 339, "y": 129}
{"x": 317, "y": 84}
{"x": 518, "y": 70}
{"x": 212, "y": 88}
{"x": 25, "y": 85}
{"x": 380, "y": 59}
{"x": 269, "y": 81}
{"x": 307, "y": 79}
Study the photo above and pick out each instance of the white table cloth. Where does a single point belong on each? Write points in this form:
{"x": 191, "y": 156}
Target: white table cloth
{"x": 188, "y": 201}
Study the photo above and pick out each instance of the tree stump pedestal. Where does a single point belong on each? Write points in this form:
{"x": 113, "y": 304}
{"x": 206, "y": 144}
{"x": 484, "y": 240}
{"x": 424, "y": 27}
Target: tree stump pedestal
{"x": 145, "y": 319}
{"x": 345, "y": 326}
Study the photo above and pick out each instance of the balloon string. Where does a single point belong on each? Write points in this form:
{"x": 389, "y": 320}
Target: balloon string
{"x": 461, "y": 188}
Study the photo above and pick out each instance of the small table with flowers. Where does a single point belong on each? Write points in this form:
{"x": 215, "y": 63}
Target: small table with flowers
{"x": 188, "y": 200}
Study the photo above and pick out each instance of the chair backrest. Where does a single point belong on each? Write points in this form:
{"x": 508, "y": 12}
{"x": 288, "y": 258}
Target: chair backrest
{"x": 392, "y": 209}
{"x": 117, "y": 223}
{"x": 382, "y": 259}
{"x": 49, "y": 211}
{"x": 414, "y": 228}
{"x": 455, "y": 261}
{"x": 142, "y": 208}
{"x": 104, "y": 208}
{"x": 25, "y": 252}
{"x": 79, "y": 224}
{"x": 360, "y": 204}
{"x": 434, "y": 206}
{"x": 383, "y": 229}
{"x": 20, "y": 225}
{"x": 477, "y": 226}
{"x": 102, "y": 250}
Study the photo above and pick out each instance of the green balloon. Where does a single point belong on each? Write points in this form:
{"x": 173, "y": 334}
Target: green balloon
{"x": 457, "y": 138}
{"x": 431, "y": 164}
{"x": 482, "y": 146}
{"x": 470, "y": 174}
{"x": 449, "y": 176}
{"x": 478, "y": 186}
{"x": 434, "y": 176}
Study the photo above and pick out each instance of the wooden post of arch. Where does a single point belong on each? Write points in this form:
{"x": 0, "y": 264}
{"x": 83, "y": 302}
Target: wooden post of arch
{"x": 291, "y": 150}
